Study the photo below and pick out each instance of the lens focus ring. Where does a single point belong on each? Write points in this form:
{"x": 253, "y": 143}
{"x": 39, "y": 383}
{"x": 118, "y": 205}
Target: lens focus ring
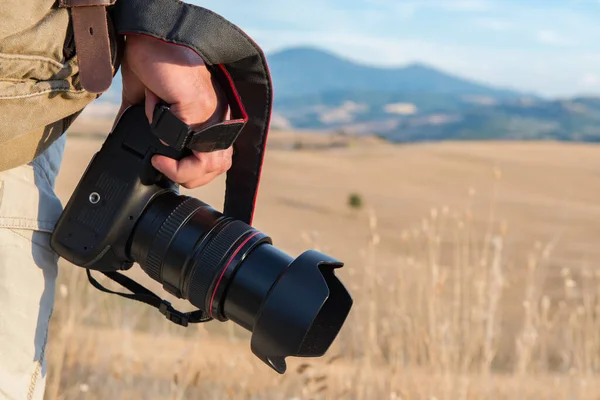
{"x": 165, "y": 234}
{"x": 210, "y": 261}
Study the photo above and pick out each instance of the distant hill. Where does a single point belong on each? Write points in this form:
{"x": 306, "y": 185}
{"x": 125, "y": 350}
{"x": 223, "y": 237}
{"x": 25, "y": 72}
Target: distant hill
{"x": 302, "y": 71}
{"x": 563, "y": 120}
{"x": 316, "y": 89}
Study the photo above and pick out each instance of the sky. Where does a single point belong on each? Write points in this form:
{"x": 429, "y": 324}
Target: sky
{"x": 547, "y": 47}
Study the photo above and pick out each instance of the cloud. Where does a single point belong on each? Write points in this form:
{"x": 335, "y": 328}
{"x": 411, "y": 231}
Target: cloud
{"x": 590, "y": 79}
{"x": 494, "y": 24}
{"x": 552, "y": 38}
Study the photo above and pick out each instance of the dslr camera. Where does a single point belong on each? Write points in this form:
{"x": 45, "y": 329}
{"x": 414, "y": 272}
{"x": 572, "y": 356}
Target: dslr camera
{"x": 123, "y": 212}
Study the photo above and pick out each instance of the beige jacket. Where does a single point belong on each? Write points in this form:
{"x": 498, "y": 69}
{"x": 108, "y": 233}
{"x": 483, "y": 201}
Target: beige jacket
{"x": 40, "y": 89}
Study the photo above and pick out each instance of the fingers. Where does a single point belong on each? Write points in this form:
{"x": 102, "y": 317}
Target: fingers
{"x": 196, "y": 170}
{"x": 205, "y": 180}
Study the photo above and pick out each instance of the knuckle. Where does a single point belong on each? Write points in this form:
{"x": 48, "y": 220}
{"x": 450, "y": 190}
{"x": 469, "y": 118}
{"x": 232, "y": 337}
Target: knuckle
{"x": 226, "y": 166}
{"x": 207, "y": 102}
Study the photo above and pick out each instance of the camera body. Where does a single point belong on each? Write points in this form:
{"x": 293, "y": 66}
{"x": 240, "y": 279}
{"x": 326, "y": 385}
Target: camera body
{"x": 96, "y": 226}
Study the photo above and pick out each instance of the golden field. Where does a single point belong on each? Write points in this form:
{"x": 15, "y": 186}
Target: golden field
{"x": 473, "y": 267}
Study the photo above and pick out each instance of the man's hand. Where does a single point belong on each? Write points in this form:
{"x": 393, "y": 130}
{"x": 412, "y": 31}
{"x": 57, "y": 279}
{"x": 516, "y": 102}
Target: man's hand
{"x": 152, "y": 71}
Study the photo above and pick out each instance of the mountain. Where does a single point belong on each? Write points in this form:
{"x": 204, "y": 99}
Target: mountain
{"x": 303, "y": 71}
{"x": 318, "y": 89}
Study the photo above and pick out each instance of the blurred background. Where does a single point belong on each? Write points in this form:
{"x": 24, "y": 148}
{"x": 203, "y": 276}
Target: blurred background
{"x": 445, "y": 152}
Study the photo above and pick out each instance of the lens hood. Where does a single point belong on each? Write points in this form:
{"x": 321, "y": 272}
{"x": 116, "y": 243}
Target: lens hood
{"x": 304, "y": 312}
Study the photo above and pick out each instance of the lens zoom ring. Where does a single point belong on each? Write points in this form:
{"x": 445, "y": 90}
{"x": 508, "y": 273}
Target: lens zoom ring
{"x": 165, "y": 234}
{"x": 209, "y": 263}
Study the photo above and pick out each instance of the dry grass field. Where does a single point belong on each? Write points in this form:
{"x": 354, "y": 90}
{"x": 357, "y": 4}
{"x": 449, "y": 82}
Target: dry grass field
{"x": 473, "y": 266}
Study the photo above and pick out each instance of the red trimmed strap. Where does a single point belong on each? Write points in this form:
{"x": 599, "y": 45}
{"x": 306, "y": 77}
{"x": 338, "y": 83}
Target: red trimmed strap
{"x": 224, "y": 48}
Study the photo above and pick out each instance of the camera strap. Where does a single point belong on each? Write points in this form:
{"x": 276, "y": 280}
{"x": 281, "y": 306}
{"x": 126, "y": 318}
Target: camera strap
{"x": 143, "y": 295}
{"x": 242, "y": 67}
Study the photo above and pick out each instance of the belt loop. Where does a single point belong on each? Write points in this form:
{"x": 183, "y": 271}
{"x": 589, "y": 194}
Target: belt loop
{"x": 92, "y": 43}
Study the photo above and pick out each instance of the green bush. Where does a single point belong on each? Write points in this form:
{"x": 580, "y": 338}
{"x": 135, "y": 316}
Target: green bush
{"x": 355, "y": 201}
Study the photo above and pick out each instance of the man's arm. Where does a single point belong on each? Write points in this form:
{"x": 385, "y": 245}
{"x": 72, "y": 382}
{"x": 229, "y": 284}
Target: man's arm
{"x": 153, "y": 70}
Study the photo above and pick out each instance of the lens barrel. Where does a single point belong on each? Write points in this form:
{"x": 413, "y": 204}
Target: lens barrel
{"x": 233, "y": 272}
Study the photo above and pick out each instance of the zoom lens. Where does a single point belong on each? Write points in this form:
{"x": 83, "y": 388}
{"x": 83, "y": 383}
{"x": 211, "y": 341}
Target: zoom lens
{"x": 233, "y": 272}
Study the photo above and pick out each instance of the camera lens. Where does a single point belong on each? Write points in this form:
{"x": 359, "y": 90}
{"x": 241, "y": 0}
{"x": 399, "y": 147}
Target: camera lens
{"x": 233, "y": 272}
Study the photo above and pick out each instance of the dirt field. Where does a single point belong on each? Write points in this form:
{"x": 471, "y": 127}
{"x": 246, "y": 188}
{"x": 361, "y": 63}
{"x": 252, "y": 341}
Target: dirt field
{"x": 473, "y": 267}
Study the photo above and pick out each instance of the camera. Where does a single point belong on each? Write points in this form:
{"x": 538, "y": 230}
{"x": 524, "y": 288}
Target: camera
{"x": 123, "y": 212}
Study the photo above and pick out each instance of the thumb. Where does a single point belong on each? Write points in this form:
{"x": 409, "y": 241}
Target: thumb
{"x": 151, "y": 102}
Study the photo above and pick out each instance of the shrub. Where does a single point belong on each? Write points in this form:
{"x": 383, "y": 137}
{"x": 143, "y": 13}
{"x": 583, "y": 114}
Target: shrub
{"x": 355, "y": 201}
